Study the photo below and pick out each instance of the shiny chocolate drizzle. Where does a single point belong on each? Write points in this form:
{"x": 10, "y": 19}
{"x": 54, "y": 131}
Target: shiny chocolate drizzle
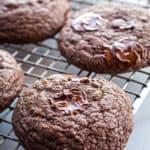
{"x": 71, "y": 101}
{"x": 87, "y": 22}
{"x": 127, "y": 52}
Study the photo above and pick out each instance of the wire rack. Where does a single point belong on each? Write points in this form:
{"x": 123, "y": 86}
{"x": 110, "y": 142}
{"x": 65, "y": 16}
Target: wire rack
{"x": 42, "y": 59}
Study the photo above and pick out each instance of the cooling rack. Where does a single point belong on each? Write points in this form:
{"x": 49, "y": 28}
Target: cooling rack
{"x": 42, "y": 59}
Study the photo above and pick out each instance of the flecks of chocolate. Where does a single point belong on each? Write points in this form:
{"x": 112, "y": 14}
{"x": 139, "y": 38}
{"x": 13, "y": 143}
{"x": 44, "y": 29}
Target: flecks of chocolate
{"x": 87, "y": 22}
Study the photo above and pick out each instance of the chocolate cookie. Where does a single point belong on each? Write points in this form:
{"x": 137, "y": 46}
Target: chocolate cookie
{"x": 11, "y": 79}
{"x": 108, "y": 38}
{"x": 65, "y": 112}
{"x": 31, "y": 20}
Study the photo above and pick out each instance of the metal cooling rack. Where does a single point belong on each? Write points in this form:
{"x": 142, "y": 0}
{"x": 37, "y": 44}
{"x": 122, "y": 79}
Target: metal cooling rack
{"x": 42, "y": 59}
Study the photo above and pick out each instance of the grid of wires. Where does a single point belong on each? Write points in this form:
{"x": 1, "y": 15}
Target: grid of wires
{"x": 42, "y": 59}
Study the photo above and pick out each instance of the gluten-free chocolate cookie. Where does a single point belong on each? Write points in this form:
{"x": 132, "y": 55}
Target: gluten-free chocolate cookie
{"x": 108, "y": 38}
{"x": 31, "y": 20}
{"x": 11, "y": 79}
{"x": 66, "y": 112}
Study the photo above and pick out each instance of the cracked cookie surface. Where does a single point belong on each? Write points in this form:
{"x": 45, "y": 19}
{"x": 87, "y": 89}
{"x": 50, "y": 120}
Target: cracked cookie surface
{"x": 107, "y": 38}
{"x": 66, "y": 112}
{"x": 24, "y": 21}
{"x": 11, "y": 79}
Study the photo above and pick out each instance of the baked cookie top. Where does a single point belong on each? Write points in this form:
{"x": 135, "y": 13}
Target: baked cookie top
{"x": 11, "y": 5}
{"x": 11, "y": 79}
{"x": 26, "y": 21}
{"x": 108, "y": 38}
{"x": 73, "y": 113}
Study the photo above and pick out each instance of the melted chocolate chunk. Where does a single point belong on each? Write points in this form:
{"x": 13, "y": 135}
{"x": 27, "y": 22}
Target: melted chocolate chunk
{"x": 87, "y": 22}
{"x": 129, "y": 53}
{"x": 73, "y": 101}
{"x": 122, "y": 24}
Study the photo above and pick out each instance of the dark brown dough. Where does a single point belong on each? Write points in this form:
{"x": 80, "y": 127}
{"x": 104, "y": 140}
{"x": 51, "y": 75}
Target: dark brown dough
{"x": 107, "y": 38}
{"x": 11, "y": 79}
{"x": 26, "y": 21}
{"x": 66, "y": 112}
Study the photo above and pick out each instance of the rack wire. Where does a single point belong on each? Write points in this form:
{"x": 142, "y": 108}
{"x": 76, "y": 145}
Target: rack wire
{"x": 42, "y": 59}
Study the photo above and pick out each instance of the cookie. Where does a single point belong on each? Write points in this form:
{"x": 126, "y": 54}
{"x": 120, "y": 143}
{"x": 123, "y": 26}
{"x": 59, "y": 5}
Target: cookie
{"x": 11, "y": 79}
{"x": 66, "y": 112}
{"x": 31, "y": 20}
{"x": 107, "y": 38}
